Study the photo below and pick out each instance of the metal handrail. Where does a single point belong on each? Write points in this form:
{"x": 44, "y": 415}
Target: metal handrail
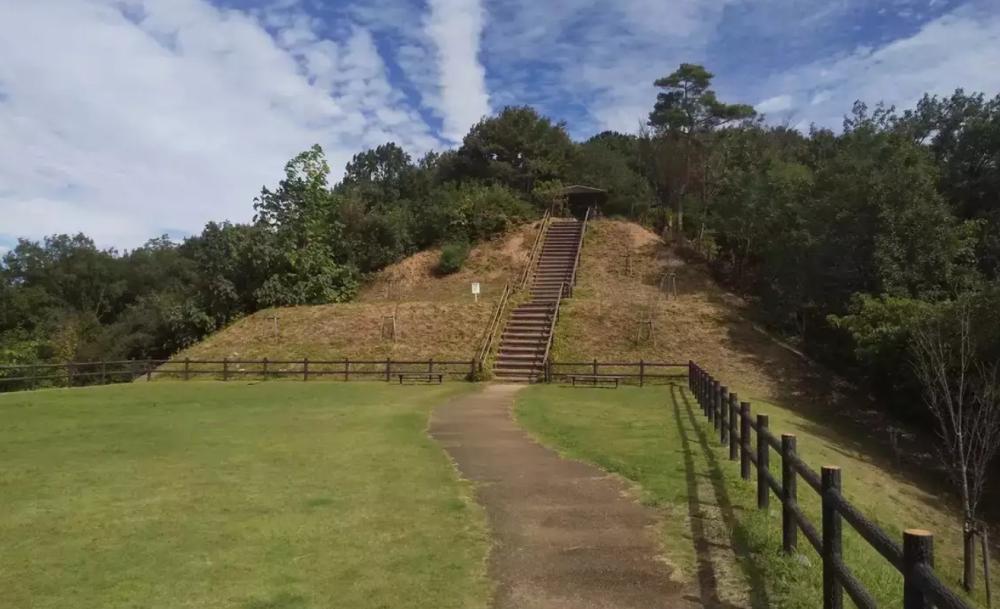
{"x": 579, "y": 251}
{"x": 546, "y": 218}
{"x": 552, "y": 327}
{"x": 494, "y": 326}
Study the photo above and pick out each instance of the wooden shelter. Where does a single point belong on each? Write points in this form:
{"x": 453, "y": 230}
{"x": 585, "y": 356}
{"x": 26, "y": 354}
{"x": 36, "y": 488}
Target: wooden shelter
{"x": 579, "y": 198}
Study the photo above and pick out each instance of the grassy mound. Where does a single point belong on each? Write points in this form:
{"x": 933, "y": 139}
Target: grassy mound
{"x": 434, "y": 316}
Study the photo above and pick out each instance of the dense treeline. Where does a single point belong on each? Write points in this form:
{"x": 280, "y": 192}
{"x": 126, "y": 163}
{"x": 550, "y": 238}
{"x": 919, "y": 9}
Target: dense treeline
{"x": 845, "y": 240}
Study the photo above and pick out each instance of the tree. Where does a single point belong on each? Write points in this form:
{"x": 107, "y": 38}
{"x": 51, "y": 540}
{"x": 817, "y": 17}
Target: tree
{"x": 517, "y": 148}
{"x": 962, "y": 393}
{"x": 686, "y": 109}
{"x": 381, "y": 176}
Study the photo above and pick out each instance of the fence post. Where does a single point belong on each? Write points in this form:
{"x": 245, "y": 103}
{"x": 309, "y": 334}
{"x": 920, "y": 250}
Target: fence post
{"x": 388, "y": 368}
{"x": 305, "y": 369}
{"x": 265, "y": 369}
{"x": 149, "y": 370}
{"x": 642, "y": 372}
{"x": 430, "y": 366}
{"x": 69, "y": 375}
{"x": 789, "y": 528}
{"x": 763, "y": 457}
{"x": 187, "y": 368}
{"x": 713, "y": 393}
{"x": 745, "y": 440}
{"x": 722, "y": 419}
{"x": 918, "y": 549}
{"x": 225, "y": 368}
{"x": 691, "y": 377}
{"x": 595, "y": 366}
{"x": 734, "y": 436}
{"x": 833, "y": 592}
{"x": 104, "y": 372}
{"x": 347, "y": 369}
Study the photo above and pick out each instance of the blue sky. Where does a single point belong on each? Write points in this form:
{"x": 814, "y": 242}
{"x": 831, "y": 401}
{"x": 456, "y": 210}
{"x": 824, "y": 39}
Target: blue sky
{"x": 126, "y": 119}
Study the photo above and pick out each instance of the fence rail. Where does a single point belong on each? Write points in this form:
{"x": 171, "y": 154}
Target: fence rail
{"x": 640, "y": 373}
{"x": 76, "y": 374}
{"x": 750, "y": 442}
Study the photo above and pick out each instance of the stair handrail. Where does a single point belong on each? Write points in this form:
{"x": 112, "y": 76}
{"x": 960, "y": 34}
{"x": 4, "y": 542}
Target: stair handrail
{"x": 491, "y": 330}
{"x": 552, "y": 326}
{"x": 546, "y": 217}
{"x": 579, "y": 250}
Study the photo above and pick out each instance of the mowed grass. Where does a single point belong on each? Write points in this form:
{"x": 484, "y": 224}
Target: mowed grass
{"x": 249, "y": 496}
{"x": 723, "y": 547}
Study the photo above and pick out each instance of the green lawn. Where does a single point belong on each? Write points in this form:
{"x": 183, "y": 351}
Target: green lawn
{"x": 252, "y": 496}
{"x": 722, "y": 546}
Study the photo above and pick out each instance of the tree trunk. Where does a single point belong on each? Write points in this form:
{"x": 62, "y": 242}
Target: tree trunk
{"x": 969, "y": 556}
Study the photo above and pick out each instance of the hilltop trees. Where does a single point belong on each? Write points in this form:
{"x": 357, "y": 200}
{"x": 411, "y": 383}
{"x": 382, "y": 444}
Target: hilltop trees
{"x": 686, "y": 111}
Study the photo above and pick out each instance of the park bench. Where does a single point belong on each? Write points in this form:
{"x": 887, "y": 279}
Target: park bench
{"x": 595, "y": 379}
{"x": 428, "y": 377}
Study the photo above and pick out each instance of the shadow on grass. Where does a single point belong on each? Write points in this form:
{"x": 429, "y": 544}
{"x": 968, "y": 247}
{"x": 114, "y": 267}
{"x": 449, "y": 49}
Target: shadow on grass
{"x": 708, "y": 581}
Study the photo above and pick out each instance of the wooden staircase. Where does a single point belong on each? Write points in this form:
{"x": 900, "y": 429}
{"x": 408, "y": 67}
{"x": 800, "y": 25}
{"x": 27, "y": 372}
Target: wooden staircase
{"x": 526, "y": 337}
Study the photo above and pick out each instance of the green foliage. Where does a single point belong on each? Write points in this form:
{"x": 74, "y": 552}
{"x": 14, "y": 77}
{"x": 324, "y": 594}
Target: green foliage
{"x": 453, "y": 256}
{"x": 517, "y": 148}
{"x": 687, "y": 104}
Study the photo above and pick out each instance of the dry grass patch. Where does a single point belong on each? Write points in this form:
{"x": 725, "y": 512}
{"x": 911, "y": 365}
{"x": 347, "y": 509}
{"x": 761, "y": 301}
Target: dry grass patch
{"x": 435, "y": 316}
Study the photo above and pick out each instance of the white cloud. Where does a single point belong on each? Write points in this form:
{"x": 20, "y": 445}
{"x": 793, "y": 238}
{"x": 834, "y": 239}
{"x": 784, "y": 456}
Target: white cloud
{"x": 956, "y": 50}
{"x": 455, "y": 27}
{"x": 124, "y": 119}
{"x": 779, "y": 103}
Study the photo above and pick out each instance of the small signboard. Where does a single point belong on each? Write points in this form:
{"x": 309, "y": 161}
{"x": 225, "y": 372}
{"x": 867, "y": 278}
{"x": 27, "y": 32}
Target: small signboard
{"x": 475, "y": 290}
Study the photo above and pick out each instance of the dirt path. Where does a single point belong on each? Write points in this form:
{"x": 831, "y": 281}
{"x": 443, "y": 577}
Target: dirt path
{"x": 566, "y": 534}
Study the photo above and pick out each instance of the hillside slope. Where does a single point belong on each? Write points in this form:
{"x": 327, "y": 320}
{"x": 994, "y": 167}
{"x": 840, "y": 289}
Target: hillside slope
{"x": 435, "y": 316}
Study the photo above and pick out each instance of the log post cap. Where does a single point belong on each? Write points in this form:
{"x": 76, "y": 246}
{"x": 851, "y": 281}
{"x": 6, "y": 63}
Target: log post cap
{"x": 917, "y": 533}
{"x": 832, "y": 467}
{"x": 789, "y": 436}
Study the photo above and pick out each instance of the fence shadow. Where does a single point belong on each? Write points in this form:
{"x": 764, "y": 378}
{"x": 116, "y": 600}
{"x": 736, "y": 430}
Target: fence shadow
{"x": 693, "y": 438}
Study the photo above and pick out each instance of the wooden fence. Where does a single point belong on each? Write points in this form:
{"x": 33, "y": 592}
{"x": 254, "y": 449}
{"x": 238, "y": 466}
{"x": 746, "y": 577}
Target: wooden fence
{"x": 636, "y": 373}
{"x": 750, "y": 442}
{"x": 75, "y": 374}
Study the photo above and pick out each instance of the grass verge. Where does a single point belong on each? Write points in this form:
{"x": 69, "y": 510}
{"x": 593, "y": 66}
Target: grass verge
{"x": 727, "y": 550}
{"x": 249, "y": 496}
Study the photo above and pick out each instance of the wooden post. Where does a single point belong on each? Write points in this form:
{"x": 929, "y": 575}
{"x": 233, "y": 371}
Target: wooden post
{"x": 918, "y": 549}
{"x": 789, "y": 528}
{"x": 265, "y": 369}
{"x": 745, "y": 440}
{"x": 388, "y": 368}
{"x": 763, "y": 456}
{"x": 642, "y": 372}
{"x": 149, "y": 370}
{"x": 347, "y": 369}
{"x": 833, "y": 592}
{"x": 734, "y": 434}
{"x": 104, "y": 372}
{"x": 430, "y": 366}
{"x": 69, "y": 375}
{"x": 225, "y": 368}
{"x": 720, "y": 419}
{"x": 187, "y": 368}
{"x": 595, "y": 366}
{"x": 691, "y": 377}
{"x": 713, "y": 393}
{"x": 305, "y": 369}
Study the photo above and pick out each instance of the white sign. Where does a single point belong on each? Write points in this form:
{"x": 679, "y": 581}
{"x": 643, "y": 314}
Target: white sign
{"x": 475, "y": 287}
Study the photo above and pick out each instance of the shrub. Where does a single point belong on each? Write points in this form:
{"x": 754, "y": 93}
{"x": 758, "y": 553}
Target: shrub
{"x": 453, "y": 256}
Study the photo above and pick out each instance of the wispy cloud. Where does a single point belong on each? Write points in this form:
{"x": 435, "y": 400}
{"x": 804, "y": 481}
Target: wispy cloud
{"x": 455, "y": 27}
{"x": 122, "y": 118}
{"x": 900, "y": 72}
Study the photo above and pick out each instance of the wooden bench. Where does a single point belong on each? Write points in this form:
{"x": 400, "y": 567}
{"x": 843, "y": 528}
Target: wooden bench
{"x": 421, "y": 376}
{"x": 596, "y": 379}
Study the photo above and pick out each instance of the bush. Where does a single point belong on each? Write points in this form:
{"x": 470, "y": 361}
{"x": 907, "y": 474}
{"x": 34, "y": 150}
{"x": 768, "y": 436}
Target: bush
{"x": 453, "y": 256}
